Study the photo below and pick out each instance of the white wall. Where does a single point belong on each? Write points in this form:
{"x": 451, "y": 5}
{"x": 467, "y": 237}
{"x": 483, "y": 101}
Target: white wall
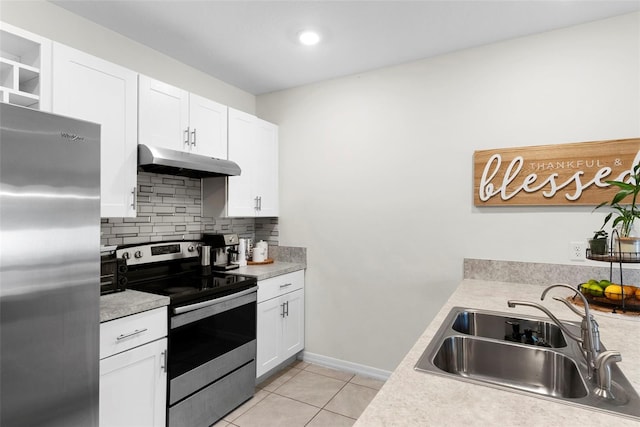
{"x": 376, "y": 174}
{"x": 55, "y": 23}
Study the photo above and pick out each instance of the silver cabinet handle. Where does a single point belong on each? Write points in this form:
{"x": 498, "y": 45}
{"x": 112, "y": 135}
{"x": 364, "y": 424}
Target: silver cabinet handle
{"x": 282, "y": 313}
{"x": 193, "y": 137}
{"x": 130, "y": 334}
{"x": 286, "y": 285}
{"x": 163, "y": 365}
{"x": 186, "y": 136}
{"x": 287, "y": 308}
{"x": 258, "y": 205}
{"x": 133, "y": 198}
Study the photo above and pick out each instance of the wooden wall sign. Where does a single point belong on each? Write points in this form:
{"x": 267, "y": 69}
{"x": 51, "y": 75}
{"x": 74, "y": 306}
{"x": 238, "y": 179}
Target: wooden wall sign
{"x": 545, "y": 175}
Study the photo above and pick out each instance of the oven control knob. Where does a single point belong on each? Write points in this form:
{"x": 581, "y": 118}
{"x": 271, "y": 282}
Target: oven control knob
{"x": 125, "y": 255}
{"x": 191, "y": 248}
{"x": 138, "y": 254}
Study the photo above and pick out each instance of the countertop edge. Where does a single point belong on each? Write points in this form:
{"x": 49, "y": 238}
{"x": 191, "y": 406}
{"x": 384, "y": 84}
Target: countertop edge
{"x": 129, "y": 302}
{"x": 267, "y": 271}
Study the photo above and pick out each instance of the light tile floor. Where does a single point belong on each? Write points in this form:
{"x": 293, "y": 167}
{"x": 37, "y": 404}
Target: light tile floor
{"x": 305, "y": 395}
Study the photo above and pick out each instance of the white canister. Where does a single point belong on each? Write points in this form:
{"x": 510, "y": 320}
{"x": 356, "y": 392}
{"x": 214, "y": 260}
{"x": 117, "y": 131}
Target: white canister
{"x": 260, "y": 251}
{"x": 242, "y": 247}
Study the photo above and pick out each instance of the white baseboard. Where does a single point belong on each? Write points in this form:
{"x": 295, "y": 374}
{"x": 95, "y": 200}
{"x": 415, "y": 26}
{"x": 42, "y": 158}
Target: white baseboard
{"x": 341, "y": 365}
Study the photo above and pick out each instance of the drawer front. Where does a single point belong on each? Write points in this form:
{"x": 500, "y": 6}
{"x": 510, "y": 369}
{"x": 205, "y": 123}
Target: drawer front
{"x": 132, "y": 331}
{"x": 280, "y": 285}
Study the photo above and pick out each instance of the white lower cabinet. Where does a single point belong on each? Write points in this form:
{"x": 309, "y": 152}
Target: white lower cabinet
{"x": 131, "y": 387}
{"x": 280, "y": 320}
{"x": 133, "y": 372}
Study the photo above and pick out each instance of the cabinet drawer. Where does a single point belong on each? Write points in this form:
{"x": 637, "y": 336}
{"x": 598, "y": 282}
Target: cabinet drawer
{"x": 132, "y": 331}
{"x": 280, "y": 285}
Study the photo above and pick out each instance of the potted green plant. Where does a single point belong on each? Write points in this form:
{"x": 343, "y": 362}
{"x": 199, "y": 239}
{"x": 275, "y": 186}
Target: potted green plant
{"x": 627, "y": 212}
{"x": 599, "y": 243}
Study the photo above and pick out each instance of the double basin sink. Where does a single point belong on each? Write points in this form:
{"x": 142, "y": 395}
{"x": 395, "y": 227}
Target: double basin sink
{"x": 525, "y": 354}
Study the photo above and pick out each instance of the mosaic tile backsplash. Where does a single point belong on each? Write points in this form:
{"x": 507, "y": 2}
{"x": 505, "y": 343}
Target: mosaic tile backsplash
{"x": 169, "y": 207}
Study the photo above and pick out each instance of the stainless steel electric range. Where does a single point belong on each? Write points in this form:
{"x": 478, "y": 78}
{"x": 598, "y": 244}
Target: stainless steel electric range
{"x": 212, "y": 329}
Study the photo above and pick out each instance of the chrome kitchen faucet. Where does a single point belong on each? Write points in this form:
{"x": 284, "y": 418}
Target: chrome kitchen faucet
{"x": 598, "y": 363}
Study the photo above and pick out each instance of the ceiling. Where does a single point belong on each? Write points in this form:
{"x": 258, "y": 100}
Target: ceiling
{"x": 253, "y": 45}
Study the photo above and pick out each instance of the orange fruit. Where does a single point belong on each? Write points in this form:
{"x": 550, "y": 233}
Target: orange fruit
{"x": 614, "y": 292}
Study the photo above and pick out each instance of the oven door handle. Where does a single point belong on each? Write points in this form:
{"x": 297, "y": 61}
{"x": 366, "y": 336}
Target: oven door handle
{"x": 196, "y": 306}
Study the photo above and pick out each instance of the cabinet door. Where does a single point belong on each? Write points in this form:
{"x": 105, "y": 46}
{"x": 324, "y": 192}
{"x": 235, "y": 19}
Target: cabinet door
{"x": 133, "y": 387}
{"x": 266, "y": 168}
{"x": 208, "y": 123}
{"x": 269, "y": 335}
{"x": 293, "y": 325}
{"x": 241, "y": 197}
{"x": 163, "y": 115}
{"x": 89, "y": 88}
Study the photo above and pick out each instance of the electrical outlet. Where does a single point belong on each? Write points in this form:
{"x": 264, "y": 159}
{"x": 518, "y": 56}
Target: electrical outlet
{"x": 577, "y": 251}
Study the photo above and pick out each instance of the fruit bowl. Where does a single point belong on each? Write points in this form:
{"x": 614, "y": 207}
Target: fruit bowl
{"x": 604, "y": 293}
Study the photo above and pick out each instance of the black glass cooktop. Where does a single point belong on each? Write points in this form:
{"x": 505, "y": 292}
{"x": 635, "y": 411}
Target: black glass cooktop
{"x": 191, "y": 286}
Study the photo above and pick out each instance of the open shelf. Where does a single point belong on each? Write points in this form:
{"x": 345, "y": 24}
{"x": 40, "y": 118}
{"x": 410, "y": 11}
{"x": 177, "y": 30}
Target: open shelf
{"x": 612, "y": 256}
{"x": 20, "y": 74}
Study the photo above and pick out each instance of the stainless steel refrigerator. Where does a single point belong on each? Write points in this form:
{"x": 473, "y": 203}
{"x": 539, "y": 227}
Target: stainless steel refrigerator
{"x": 49, "y": 269}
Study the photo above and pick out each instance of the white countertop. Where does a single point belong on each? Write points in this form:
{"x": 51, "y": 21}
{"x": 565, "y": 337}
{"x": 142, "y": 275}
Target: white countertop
{"x": 413, "y": 398}
{"x": 266, "y": 271}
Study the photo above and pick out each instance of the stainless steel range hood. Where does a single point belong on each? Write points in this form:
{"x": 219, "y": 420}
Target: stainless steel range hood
{"x": 173, "y": 162}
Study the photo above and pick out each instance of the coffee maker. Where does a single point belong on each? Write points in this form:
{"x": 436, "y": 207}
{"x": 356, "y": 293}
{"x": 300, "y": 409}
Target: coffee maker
{"x": 224, "y": 250}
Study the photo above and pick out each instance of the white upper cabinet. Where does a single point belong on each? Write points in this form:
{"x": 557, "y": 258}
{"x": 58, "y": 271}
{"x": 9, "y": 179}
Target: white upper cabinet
{"x": 25, "y": 68}
{"x": 266, "y": 169}
{"x": 170, "y": 117}
{"x": 163, "y": 115}
{"x": 89, "y": 88}
{"x": 241, "y": 200}
{"x": 253, "y": 145}
{"x": 208, "y": 122}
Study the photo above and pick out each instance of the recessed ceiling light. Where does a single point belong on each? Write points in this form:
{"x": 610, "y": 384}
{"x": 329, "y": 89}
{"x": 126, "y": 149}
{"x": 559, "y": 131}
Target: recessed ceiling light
{"x": 309, "y": 38}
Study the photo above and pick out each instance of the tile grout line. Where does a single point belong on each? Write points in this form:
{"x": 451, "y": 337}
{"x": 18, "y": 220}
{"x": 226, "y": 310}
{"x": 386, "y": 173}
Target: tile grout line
{"x": 365, "y": 386}
{"x": 350, "y": 381}
{"x": 320, "y": 408}
{"x": 332, "y": 397}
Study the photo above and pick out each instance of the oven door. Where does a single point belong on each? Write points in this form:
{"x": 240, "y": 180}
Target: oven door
{"x": 209, "y": 340}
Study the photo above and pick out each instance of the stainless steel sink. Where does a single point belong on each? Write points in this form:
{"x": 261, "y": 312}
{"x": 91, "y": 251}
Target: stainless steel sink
{"x": 471, "y": 345}
{"x": 528, "y": 369}
{"x": 496, "y": 326}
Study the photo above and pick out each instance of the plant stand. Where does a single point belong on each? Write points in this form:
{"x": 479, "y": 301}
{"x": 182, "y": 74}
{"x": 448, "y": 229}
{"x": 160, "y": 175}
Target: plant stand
{"x": 628, "y": 302}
